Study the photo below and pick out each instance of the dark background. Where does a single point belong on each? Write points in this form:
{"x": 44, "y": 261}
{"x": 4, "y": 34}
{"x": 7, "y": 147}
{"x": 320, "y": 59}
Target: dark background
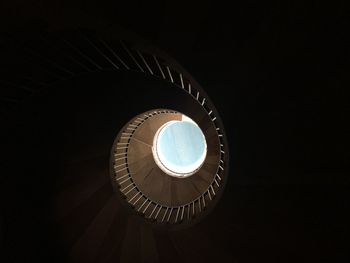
{"x": 276, "y": 73}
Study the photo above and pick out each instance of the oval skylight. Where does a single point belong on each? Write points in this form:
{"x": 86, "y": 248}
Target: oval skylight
{"x": 179, "y": 147}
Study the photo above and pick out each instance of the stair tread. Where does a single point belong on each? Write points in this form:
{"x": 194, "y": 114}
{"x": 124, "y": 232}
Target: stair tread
{"x": 81, "y": 217}
{"x": 86, "y": 248}
{"x": 89, "y": 180}
{"x": 113, "y": 239}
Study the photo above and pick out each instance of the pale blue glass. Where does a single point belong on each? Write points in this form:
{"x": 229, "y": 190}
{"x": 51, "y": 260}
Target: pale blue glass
{"x": 181, "y": 145}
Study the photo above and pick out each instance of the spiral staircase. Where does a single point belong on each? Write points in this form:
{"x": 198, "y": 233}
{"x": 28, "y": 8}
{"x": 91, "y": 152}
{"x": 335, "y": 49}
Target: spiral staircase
{"x": 101, "y": 206}
{"x": 150, "y": 190}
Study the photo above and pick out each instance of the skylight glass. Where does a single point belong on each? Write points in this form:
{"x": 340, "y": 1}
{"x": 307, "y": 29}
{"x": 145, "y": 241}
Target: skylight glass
{"x": 180, "y": 148}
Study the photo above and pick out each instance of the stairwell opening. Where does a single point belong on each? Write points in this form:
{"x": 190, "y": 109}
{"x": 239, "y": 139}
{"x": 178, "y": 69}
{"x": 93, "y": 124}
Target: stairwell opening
{"x": 179, "y": 147}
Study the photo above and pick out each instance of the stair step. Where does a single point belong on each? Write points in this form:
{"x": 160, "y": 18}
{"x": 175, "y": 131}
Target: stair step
{"x": 112, "y": 243}
{"x": 86, "y": 248}
{"x": 75, "y": 224}
{"x": 81, "y": 181}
